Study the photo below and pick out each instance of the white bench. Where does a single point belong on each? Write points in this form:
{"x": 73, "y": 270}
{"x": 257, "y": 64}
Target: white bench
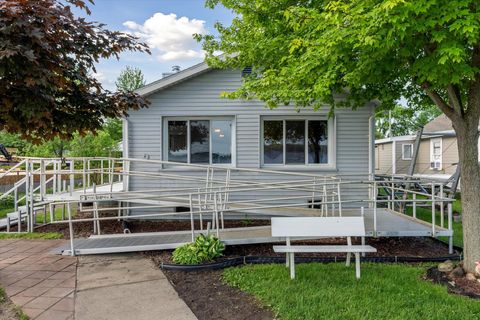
{"x": 320, "y": 227}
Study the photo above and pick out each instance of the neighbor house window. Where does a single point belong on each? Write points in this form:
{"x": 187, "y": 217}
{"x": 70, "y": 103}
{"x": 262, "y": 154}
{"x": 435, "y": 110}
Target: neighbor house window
{"x": 295, "y": 142}
{"x": 436, "y": 153}
{"x": 407, "y": 151}
{"x": 201, "y": 141}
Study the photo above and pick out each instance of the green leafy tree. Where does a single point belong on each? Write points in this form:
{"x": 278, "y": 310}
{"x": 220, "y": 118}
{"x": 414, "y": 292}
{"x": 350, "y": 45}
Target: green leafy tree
{"x": 402, "y": 120}
{"x": 55, "y": 148}
{"x": 130, "y": 80}
{"x": 310, "y": 52}
{"x": 114, "y": 128}
{"x": 100, "y": 144}
{"x": 47, "y": 56}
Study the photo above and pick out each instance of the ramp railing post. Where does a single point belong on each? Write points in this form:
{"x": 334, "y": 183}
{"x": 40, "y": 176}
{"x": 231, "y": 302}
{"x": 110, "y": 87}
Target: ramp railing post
{"x": 442, "y": 205}
{"x": 339, "y": 199}
{"x": 42, "y": 179}
{"x": 414, "y": 205}
{"x": 433, "y": 209}
{"x": 192, "y": 224}
{"x": 199, "y": 203}
{"x": 215, "y": 210}
{"x": 450, "y": 226}
{"x": 84, "y": 175}
{"x": 72, "y": 177}
{"x": 70, "y": 226}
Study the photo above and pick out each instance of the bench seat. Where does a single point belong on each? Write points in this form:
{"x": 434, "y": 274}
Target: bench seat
{"x": 326, "y": 248}
{"x": 348, "y": 227}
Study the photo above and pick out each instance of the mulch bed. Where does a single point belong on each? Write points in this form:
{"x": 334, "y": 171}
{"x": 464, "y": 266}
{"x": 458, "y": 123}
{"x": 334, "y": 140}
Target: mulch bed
{"x": 460, "y": 286}
{"x": 420, "y": 247}
{"x": 210, "y": 299}
{"x": 85, "y": 229}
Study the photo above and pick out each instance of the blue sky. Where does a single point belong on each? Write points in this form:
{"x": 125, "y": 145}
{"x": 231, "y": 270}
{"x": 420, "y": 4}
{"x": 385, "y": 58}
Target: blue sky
{"x": 166, "y": 25}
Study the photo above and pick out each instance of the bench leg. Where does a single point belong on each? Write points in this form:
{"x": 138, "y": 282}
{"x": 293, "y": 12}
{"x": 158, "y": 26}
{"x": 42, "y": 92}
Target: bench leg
{"x": 349, "y": 255}
{"x": 292, "y": 266}
{"x": 357, "y": 265}
{"x": 287, "y": 260}
{"x": 363, "y": 243}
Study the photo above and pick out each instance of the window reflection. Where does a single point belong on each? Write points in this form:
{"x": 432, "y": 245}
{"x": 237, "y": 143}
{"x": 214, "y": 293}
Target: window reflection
{"x": 177, "y": 141}
{"x": 199, "y": 141}
{"x": 221, "y": 141}
{"x": 273, "y": 142}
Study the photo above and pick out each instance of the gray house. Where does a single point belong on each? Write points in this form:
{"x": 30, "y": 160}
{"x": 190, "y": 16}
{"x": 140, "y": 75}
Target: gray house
{"x": 189, "y": 122}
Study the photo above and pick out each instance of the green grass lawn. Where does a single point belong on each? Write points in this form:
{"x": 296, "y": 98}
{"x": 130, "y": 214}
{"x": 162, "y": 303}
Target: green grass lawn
{"x": 30, "y": 235}
{"x": 425, "y": 214}
{"x": 330, "y": 291}
{"x": 8, "y": 310}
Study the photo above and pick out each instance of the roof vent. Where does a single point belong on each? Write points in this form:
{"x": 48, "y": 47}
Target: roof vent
{"x": 175, "y": 69}
{"x": 247, "y": 70}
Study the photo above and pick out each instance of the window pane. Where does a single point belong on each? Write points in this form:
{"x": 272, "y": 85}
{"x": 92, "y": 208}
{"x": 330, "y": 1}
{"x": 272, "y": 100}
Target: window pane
{"x": 407, "y": 151}
{"x": 295, "y": 142}
{"x": 273, "y": 142}
{"x": 199, "y": 141}
{"x": 317, "y": 141}
{"x": 221, "y": 141}
{"x": 177, "y": 141}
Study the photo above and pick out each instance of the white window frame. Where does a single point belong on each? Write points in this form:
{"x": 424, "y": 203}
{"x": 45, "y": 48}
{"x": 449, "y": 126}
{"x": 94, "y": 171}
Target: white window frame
{"x": 403, "y": 151}
{"x": 432, "y": 159}
{"x": 196, "y": 118}
{"x": 331, "y": 140}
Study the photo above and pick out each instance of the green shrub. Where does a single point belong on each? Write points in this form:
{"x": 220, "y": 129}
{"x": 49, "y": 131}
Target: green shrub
{"x": 204, "y": 248}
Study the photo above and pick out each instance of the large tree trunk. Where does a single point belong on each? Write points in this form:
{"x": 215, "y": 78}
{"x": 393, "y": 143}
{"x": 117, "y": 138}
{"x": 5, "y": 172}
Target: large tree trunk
{"x": 467, "y": 137}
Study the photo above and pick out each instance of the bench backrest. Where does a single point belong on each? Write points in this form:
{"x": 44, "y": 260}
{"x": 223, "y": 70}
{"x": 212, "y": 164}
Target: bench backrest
{"x": 318, "y": 226}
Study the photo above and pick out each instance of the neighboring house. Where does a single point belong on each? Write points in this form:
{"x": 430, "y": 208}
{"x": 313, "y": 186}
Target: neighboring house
{"x": 188, "y": 121}
{"x": 437, "y": 154}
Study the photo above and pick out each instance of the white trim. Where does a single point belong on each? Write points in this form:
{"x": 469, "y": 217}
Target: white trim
{"x": 399, "y": 138}
{"x": 331, "y": 148}
{"x": 403, "y": 151}
{"x": 233, "y": 145}
{"x": 432, "y": 158}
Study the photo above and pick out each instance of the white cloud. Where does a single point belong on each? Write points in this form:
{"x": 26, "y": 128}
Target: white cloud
{"x": 171, "y": 36}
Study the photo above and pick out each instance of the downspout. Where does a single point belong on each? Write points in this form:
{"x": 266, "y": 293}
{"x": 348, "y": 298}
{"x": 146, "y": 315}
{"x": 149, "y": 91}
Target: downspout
{"x": 125, "y": 154}
{"x": 371, "y": 157}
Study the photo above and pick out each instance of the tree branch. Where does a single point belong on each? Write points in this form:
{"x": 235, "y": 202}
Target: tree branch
{"x": 449, "y": 112}
{"x": 455, "y": 99}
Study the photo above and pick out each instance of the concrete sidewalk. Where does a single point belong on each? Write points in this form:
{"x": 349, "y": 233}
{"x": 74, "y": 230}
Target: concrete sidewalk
{"x": 125, "y": 287}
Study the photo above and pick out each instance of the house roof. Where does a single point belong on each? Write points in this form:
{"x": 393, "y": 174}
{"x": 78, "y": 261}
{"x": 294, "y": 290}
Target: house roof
{"x": 173, "y": 79}
{"x": 440, "y": 124}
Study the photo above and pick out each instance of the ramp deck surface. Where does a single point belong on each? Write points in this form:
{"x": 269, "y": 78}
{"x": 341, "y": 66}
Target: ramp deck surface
{"x": 389, "y": 223}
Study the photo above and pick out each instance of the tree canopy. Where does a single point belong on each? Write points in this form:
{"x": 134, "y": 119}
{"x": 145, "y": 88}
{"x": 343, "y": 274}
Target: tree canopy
{"x": 403, "y": 120}
{"x": 346, "y": 53}
{"x": 130, "y": 80}
{"x": 47, "y": 56}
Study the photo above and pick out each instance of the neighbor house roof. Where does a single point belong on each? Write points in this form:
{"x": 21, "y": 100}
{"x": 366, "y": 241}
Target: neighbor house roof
{"x": 440, "y": 124}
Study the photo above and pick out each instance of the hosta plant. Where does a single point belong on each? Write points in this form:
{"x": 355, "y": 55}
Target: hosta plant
{"x": 204, "y": 248}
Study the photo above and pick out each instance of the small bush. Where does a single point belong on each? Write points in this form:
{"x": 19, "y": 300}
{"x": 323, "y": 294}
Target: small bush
{"x": 7, "y": 202}
{"x": 204, "y": 248}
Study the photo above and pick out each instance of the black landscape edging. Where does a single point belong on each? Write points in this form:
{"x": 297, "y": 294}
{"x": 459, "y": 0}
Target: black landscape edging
{"x": 267, "y": 260}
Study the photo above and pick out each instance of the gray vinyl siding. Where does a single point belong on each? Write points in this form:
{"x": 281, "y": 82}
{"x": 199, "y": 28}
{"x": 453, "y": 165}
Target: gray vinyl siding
{"x": 200, "y": 96}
